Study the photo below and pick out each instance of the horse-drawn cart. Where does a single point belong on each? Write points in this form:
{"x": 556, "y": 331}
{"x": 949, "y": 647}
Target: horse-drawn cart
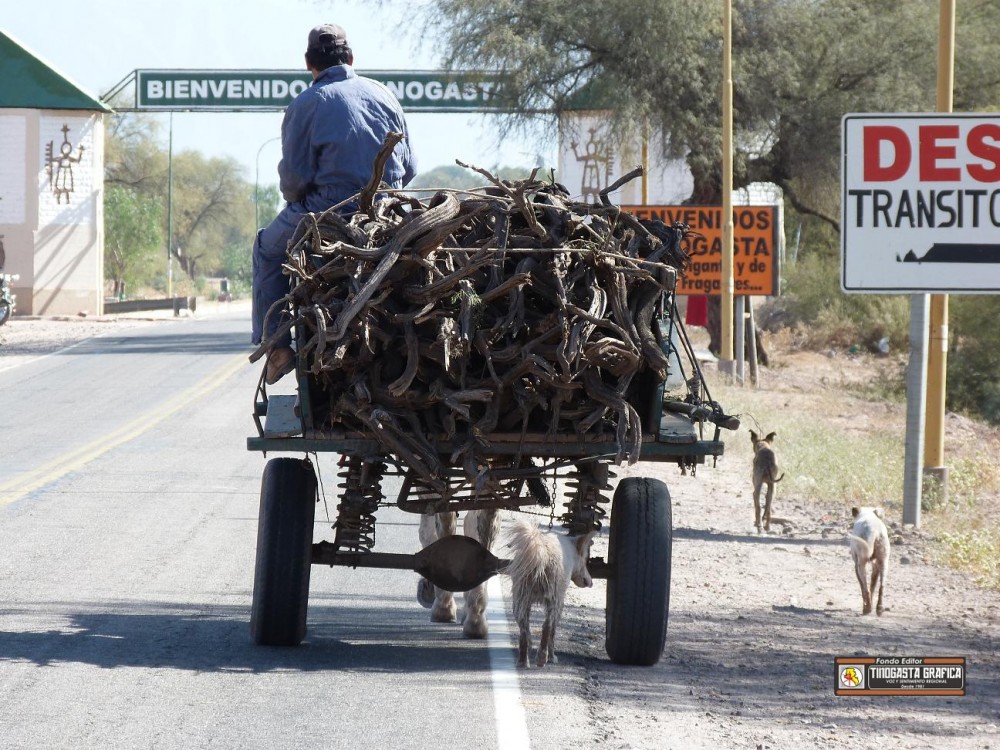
{"x": 471, "y": 457}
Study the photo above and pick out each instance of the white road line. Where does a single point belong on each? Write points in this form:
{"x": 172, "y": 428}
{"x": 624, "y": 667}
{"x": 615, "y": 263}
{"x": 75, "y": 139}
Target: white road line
{"x": 512, "y": 725}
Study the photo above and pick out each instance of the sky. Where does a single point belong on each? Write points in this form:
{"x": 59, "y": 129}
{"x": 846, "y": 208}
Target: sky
{"x": 96, "y": 44}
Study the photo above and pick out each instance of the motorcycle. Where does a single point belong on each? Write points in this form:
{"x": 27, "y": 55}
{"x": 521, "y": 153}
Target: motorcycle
{"x": 8, "y": 300}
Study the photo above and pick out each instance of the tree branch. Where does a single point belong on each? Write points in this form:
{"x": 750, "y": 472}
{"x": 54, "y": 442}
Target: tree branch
{"x": 802, "y": 208}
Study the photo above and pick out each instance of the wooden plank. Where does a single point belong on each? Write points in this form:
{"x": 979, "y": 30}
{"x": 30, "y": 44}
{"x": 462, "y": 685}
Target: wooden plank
{"x": 677, "y": 429}
{"x": 281, "y": 420}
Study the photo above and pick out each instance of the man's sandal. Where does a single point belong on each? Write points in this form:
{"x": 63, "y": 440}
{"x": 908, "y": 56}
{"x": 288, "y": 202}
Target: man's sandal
{"x": 280, "y": 362}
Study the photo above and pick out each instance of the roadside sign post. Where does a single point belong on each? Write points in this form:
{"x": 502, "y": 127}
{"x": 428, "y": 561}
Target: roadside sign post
{"x": 921, "y": 203}
{"x": 728, "y": 288}
{"x": 921, "y": 215}
{"x": 937, "y": 355}
{"x": 755, "y": 247}
{"x": 753, "y": 268}
{"x": 916, "y": 414}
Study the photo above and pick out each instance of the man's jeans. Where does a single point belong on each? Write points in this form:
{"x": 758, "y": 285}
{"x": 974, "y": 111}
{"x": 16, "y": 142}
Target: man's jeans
{"x": 270, "y": 250}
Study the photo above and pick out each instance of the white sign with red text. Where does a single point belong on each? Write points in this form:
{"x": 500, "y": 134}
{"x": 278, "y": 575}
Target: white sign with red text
{"x": 920, "y": 206}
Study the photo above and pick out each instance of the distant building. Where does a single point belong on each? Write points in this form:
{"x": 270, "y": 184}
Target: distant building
{"x": 51, "y": 186}
{"x": 591, "y": 157}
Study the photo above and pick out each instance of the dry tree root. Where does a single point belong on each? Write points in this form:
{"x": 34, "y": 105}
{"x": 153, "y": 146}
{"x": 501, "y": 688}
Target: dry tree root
{"x": 511, "y": 308}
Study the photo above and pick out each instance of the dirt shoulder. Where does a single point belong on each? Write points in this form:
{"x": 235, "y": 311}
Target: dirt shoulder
{"x": 757, "y": 619}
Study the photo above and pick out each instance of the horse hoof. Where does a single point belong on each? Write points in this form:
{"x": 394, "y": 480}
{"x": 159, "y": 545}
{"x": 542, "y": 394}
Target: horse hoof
{"x": 475, "y": 627}
{"x": 425, "y": 593}
{"x": 443, "y": 614}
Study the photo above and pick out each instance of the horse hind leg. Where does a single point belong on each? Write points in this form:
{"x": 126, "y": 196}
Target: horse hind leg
{"x": 428, "y": 535}
{"x": 483, "y": 526}
{"x": 434, "y": 526}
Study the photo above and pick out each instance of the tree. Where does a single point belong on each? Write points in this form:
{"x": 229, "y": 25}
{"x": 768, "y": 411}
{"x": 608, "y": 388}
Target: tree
{"x": 210, "y": 202}
{"x": 131, "y": 234}
{"x": 133, "y": 156}
{"x": 799, "y": 65}
{"x": 460, "y": 178}
{"x": 269, "y": 202}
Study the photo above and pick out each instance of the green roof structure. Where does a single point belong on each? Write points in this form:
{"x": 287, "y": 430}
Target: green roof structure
{"x": 28, "y": 83}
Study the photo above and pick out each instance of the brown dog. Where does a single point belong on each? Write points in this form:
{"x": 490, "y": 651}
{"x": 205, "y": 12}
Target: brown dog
{"x": 869, "y": 540}
{"x": 765, "y": 471}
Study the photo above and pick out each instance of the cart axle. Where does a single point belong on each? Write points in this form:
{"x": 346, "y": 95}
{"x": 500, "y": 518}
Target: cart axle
{"x": 454, "y": 563}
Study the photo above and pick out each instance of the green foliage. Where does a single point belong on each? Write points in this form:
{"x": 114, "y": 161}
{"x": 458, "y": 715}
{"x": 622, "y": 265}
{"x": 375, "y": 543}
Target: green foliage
{"x": 461, "y": 178}
{"x": 448, "y": 176}
{"x": 212, "y": 208}
{"x": 134, "y": 156}
{"x": 237, "y": 265}
{"x": 974, "y": 365}
{"x": 976, "y": 550}
{"x": 799, "y": 66}
{"x": 268, "y": 202}
{"x": 132, "y": 236}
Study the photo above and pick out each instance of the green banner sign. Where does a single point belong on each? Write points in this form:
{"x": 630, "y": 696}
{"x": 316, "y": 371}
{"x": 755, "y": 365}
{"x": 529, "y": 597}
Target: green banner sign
{"x": 270, "y": 90}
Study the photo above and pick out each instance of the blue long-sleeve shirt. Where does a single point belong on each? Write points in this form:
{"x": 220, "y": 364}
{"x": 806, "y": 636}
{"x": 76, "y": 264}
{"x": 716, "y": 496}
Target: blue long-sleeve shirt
{"x": 331, "y": 134}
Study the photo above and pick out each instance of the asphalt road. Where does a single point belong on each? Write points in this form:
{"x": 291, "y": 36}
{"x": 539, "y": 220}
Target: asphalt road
{"x": 128, "y": 519}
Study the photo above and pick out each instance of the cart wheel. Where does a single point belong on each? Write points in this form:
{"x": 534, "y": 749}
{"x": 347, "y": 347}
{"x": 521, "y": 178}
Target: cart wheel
{"x": 638, "y": 598}
{"x": 284, "y": 553}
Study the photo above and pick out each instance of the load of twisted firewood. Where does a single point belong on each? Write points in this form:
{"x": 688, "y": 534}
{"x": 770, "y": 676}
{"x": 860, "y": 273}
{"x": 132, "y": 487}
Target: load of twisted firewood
{"x": 448, "y": 320}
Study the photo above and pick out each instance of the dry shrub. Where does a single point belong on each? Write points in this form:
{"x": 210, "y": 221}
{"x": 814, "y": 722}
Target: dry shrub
{"x": 822, "y": 316}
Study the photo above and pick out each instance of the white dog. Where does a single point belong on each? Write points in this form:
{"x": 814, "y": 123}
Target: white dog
{"x": 540, "y": 570}
{"x": 869, "y": 540}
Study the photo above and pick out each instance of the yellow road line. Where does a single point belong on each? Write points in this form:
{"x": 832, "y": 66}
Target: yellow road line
{"x": 29, "y": 481}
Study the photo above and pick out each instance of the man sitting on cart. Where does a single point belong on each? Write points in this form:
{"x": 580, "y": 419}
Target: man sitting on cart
{"x": 330, "y": 136}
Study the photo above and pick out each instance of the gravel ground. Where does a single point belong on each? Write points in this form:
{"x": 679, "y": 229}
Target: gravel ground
{"x": 757, "y": 619}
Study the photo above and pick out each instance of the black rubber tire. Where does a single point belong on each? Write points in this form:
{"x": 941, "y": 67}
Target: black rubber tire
{"x": 638, "y": 600}
{"x": 4, "y": 312}
{"x": 284, "y": 553}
